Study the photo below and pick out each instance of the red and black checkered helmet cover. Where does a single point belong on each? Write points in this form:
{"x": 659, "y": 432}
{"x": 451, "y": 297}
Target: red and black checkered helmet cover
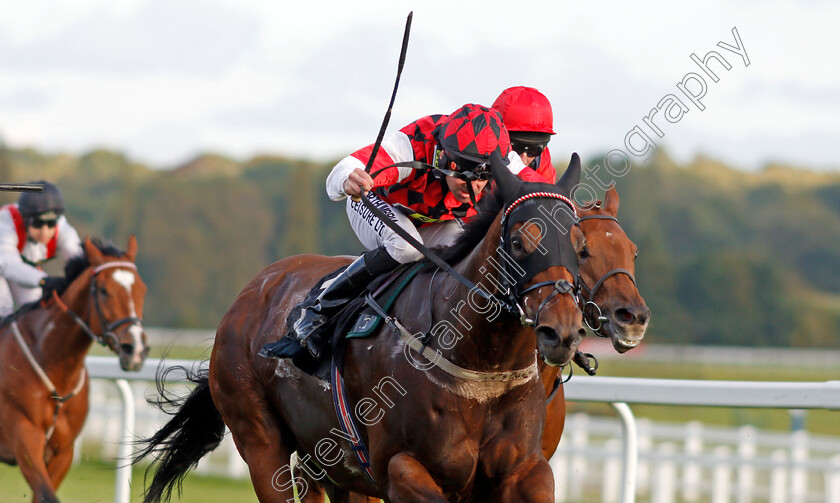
{"x": 474, "y": 132}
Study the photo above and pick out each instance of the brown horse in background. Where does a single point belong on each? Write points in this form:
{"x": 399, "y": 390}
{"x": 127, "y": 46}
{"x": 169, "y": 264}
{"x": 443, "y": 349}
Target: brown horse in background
{"x": 43, "y": 381}
{"x": 608, "y": 288}
{"x": 432, "y": 436}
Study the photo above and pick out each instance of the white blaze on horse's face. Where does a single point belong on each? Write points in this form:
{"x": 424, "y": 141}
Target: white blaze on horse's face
{"x": 126, "y": 279}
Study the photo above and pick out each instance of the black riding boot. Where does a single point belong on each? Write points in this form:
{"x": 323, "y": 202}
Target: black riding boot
{"x": 344, "y": 288}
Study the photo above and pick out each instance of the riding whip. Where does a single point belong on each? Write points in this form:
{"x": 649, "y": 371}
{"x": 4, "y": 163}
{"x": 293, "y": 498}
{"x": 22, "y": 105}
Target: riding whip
{"x": 393, "y": 94}
{"x": 382, "y": 216}
{"x": 21, "y": 187}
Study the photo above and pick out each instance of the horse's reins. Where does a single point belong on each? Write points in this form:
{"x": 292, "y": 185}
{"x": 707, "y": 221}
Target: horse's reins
{"x": 511, "y": 304}
{"x": 382, "y": 216}
{"x": 589, "y": 316}
{"x": 59, "y": 399}
{"x": 514, "y": 299}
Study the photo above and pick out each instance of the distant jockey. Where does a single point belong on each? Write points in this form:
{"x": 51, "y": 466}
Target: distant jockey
{"x": 530, "y": 121}
{"x": 428, "y": 203}
{"x": 32, "y": 232}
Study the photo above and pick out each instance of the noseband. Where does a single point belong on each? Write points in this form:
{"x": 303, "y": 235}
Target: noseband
{"x": 108, "y": 338}
{"x": 592, "y": 314}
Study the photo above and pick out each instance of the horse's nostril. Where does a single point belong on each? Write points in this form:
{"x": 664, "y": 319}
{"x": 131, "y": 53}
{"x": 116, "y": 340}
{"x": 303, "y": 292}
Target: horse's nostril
{"x": 624, "y": 315}
{"x": 642, "y": 318}
{"x": 127, "y": 348}
{"x": 582, "y": 332}
{"x": 548, "y": 334}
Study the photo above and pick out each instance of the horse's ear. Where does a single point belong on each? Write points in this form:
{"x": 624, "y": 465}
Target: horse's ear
{"x": 571, "y": 178}
{"x": 507, "y": 182}
{"x": 93, "y": 254}
{"x": 611, "y": 201}
{"x": 132, "y": 248}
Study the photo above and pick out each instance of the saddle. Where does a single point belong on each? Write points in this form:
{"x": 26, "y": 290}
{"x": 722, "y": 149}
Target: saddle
{"x": 357, "y": 319}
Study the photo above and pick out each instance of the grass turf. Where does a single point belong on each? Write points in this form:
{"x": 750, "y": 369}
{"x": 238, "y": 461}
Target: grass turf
{"x": 93, "y": 482}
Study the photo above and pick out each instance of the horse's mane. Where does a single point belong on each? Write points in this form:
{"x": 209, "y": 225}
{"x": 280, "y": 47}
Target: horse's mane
{"x": 76, "y": 265}
{"x": 490, "y": 206}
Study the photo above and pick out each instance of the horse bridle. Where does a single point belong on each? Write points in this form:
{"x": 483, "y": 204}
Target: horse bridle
{"x": 511, "y": 293}
{"x": 594, "y": 317}
{"x": 107, "y": 338}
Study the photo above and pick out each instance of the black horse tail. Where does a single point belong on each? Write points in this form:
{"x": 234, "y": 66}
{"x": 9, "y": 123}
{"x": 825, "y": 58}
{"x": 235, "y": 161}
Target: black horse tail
{"x": 195, "y": 429}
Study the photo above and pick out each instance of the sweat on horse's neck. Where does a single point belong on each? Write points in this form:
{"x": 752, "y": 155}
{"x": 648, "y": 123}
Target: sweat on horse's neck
{"x": 500, "y": 343}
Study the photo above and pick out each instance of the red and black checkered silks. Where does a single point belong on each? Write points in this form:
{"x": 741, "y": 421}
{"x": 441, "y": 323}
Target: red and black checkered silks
{"x": 474, "y": 132}
{"x": 424, "y": 192}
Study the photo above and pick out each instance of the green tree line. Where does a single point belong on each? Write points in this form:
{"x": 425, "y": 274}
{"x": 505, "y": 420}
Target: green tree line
{"x": 726, "y": 257}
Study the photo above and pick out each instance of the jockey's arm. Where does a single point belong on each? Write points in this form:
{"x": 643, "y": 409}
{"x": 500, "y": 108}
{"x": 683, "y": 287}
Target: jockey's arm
{"x": 396, "y": 147}
{"x": 12, "y": 266}
{"x": 69, "y": 244}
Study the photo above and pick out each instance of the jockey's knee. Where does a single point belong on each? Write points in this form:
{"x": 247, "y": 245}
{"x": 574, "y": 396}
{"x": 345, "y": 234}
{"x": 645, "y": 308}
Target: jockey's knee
{"x": 403, "y": 252}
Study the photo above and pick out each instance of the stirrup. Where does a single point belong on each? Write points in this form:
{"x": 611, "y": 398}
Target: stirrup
{"x": 312, "y": 340}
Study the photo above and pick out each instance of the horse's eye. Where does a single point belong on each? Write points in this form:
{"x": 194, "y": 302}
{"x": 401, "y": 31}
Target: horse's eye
{"x": 636, "y": 255}
{"x": 584, "y": 253}
{"x": 103, "y": 291}
{"x": 516, "y": 244}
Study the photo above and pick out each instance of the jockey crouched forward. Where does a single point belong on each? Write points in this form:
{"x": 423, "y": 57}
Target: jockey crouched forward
{"x": 530, "y": 123}
{"x": 32, "y": 232}
{"x": 430, "y": 204}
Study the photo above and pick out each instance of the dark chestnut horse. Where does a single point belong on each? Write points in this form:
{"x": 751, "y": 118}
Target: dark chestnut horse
{"x": 434, "y": 433}
{"x": 609, "y": 290}
{"x": 43, "y": 382}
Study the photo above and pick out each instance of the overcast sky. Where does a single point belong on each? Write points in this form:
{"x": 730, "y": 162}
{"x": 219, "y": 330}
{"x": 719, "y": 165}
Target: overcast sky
{"x": 166, "y": 79}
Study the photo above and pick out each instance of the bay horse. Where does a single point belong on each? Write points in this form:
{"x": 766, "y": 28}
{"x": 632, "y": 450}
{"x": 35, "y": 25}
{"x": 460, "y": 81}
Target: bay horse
{"x": 608, "y": 288}
{"x": 43, "y": 381}
{"x": 433, "y": 433}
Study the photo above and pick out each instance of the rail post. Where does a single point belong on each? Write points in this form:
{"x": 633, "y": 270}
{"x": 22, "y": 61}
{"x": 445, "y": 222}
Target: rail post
{"x": 122, "y": 493}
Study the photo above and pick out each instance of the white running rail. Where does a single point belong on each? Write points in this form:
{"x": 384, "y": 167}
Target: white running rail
{"x": 618, "y": 391}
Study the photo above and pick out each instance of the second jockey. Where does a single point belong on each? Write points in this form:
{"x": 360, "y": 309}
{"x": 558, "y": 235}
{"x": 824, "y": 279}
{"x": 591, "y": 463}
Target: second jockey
{"x": 32, "y": 232}
{"x": 428, "y": 203}
{"x": 530, "y": 123}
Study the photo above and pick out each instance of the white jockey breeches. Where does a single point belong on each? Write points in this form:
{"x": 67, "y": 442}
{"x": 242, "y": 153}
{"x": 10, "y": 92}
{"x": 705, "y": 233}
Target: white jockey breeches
{"x": 373, "y": 233}
{"x": 12, "y": 294}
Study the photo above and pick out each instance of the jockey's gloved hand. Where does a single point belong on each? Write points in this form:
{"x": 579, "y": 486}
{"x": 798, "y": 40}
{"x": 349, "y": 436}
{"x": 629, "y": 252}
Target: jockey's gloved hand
{"x": 50, "y": 284}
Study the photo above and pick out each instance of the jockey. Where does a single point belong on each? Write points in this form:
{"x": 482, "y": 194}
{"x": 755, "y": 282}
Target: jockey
{"x": 428, "y": 203}
{"x": 529, "y": 120}
{"x": 32, "y": 232}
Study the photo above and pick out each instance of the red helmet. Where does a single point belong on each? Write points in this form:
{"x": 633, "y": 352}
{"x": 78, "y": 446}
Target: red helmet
{"x": 474, "y": 132}
{"x": 525, "y": 109}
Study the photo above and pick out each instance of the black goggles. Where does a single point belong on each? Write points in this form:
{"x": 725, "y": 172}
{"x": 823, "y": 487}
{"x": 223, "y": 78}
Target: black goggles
{"x": 532, "y": 150}
{"x": 469, "y": 171}
{"x": 473, "y": 171}
{"x": 38, "y": 223}
{"x": 473, "y": 175}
